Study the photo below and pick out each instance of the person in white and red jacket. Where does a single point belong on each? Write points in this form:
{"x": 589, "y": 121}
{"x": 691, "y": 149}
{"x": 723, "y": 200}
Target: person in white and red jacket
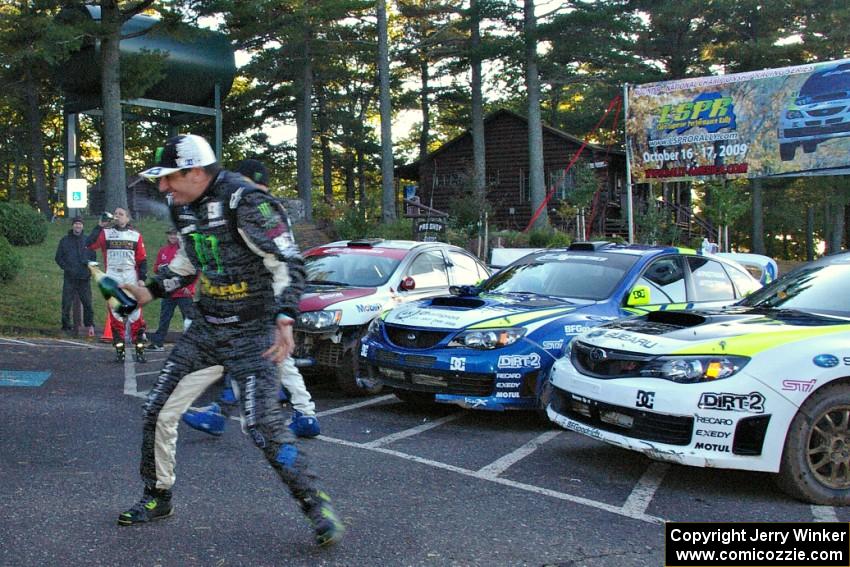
{"x": 182, "y": 298}
{"x": 125, "y": 260}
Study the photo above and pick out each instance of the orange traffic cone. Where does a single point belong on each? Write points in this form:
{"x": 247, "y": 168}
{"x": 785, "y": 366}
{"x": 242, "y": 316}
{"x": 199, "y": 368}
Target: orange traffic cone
{"x": 107, "y": 328}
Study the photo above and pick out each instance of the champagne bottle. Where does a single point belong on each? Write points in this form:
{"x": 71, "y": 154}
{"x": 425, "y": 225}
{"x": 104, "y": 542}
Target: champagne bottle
{"x": 119, "y": 300}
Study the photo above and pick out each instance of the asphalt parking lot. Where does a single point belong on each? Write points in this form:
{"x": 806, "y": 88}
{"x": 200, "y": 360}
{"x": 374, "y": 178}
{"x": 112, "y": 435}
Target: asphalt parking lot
{"x": 440, "y": 486}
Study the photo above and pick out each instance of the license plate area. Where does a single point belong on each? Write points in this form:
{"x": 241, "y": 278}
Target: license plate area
{"x": 616, "y": 418}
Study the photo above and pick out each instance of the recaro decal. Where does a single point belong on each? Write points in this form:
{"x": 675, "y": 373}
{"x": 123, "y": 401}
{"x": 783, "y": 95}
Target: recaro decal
{"x": 713, "y": 420}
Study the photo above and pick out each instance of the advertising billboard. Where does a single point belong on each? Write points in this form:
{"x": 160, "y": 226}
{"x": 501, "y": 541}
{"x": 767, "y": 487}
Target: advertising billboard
{"x": 789, "y": 121}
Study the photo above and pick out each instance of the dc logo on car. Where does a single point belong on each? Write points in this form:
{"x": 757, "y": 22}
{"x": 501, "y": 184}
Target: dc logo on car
{"x": 825, "y": 360}
{"x": 458, "y": 364}
{"x": 645, "y": 399}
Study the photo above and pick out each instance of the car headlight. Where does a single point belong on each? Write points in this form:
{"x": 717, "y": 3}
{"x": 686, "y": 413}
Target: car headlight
{"x": 693, "y": 369}
{"x": 375, "y": 327}
{"x": 793, "y": 115}
{"x": 315, "y": 320}
{"x": 488, "y": 338}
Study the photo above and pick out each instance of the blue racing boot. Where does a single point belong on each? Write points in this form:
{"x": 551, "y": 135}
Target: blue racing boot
{"x": 208, "y": 419}
{"x": 228, "y": 397}
{"x": 282, "y": 395}
{"x": 304, "y": 425}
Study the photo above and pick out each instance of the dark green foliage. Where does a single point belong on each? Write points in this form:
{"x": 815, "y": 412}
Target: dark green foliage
{"x": 354, "y": 225}
{"x": 10, "y": 261}
{"x": 22, "y": 225}
{"x": 548, "y": 238}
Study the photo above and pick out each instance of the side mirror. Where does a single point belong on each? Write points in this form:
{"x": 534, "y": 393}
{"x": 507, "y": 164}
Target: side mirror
{"x": 407, "y": 284}
{"x": 639, "y": 295}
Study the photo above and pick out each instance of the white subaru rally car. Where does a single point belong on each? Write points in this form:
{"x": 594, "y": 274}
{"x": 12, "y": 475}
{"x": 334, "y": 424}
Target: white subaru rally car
{"x": 351, "y": 282}
{"x": 763, "y": 385}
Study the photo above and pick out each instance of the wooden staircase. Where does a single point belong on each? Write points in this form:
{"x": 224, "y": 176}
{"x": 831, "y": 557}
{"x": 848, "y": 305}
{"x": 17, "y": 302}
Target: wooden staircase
{"x": 308, "y": 235}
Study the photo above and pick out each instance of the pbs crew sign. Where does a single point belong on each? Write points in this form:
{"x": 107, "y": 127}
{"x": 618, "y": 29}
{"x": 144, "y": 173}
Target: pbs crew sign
{"x": 76, "y": 193}
{"x": 782, "y": 122}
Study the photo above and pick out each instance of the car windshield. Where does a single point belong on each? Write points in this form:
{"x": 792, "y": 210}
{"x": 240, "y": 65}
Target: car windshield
{"x": 579, "y": 275}
{"x": 349, "y": 267}
{"x": 819, "y": 289}
{"x": 835, "y": 80}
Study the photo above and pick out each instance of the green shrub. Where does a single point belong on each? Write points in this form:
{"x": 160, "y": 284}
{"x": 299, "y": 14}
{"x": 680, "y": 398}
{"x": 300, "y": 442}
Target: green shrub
{"x": 10, "y": 261}
{"x": 354, "y": 225}
{"x": 511, "y": 238}
{"x": 559, "y": 239}
{"x": 21, "y": 224}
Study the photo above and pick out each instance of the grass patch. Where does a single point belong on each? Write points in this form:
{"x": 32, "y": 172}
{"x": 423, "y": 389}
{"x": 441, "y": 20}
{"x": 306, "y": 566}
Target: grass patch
{"x": 31, "y": 304}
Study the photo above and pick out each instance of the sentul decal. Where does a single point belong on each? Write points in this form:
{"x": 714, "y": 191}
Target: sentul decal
{"x": 519, "y": 360}
{"x": 798, "y": 385}
{"x": 752, "y": 402}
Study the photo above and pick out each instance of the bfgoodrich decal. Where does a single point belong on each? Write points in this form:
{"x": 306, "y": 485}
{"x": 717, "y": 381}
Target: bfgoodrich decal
{"x": 752, "y": 402}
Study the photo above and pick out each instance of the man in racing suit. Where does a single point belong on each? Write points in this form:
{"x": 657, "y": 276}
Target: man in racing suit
{"x": 304, "y": 423}
{"x": 238, "y": 239}
{"x": 125, "y": 261}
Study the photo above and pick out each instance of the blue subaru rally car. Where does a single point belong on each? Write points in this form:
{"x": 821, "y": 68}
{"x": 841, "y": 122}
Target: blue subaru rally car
{"x": 491, "y": 347}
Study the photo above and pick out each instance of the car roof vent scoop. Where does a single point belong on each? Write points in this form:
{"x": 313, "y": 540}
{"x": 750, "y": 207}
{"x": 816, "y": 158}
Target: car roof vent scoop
{"x": 592, "y": 245}
{"x": 364, "y": 242}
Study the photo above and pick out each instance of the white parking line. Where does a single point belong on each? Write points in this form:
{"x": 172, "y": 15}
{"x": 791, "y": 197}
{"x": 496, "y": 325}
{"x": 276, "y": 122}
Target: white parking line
{"x": 130, "y": 384}
{"x": 362, "y": 404}
{"x": 638, "y": 501}
{"x": 824, "y": 514}
{"x": 620, "y": 511}
{"x": 147, "y": 373}
{"x": 15, "y": 341}
{"x": 412, "y": 431}
{"x": 502, "y": 464}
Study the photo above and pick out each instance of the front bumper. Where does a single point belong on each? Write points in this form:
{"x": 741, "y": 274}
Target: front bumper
{"x": 506, "y": 378}
{"x": 681, "y": 423}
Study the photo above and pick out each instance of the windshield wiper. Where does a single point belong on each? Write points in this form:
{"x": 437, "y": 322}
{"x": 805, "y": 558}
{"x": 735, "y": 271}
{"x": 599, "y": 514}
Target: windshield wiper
{"x": 326, "y": 282}
{"x": 788, "y": 314}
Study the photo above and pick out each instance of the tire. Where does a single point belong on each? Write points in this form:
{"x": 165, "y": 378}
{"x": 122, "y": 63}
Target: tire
{"x": 809, "y": 147}
{"x": 346, "y": 378}
{"x": 815, "y": 464}
{"x": 420, "y": 399}
{"x": 787, "y": 151}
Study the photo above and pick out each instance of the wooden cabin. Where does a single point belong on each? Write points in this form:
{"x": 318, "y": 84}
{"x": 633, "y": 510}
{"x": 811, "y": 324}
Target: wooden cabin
{"x": 446, "y": 174}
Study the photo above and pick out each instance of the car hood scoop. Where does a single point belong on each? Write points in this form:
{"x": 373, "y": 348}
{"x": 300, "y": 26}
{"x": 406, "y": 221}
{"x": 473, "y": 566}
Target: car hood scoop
{"x": 458, "y": 302}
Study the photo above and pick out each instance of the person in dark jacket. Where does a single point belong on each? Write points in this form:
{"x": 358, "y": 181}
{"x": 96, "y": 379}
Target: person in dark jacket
{"x": 239, "y": 244}
{"x": 73, "y": 257}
